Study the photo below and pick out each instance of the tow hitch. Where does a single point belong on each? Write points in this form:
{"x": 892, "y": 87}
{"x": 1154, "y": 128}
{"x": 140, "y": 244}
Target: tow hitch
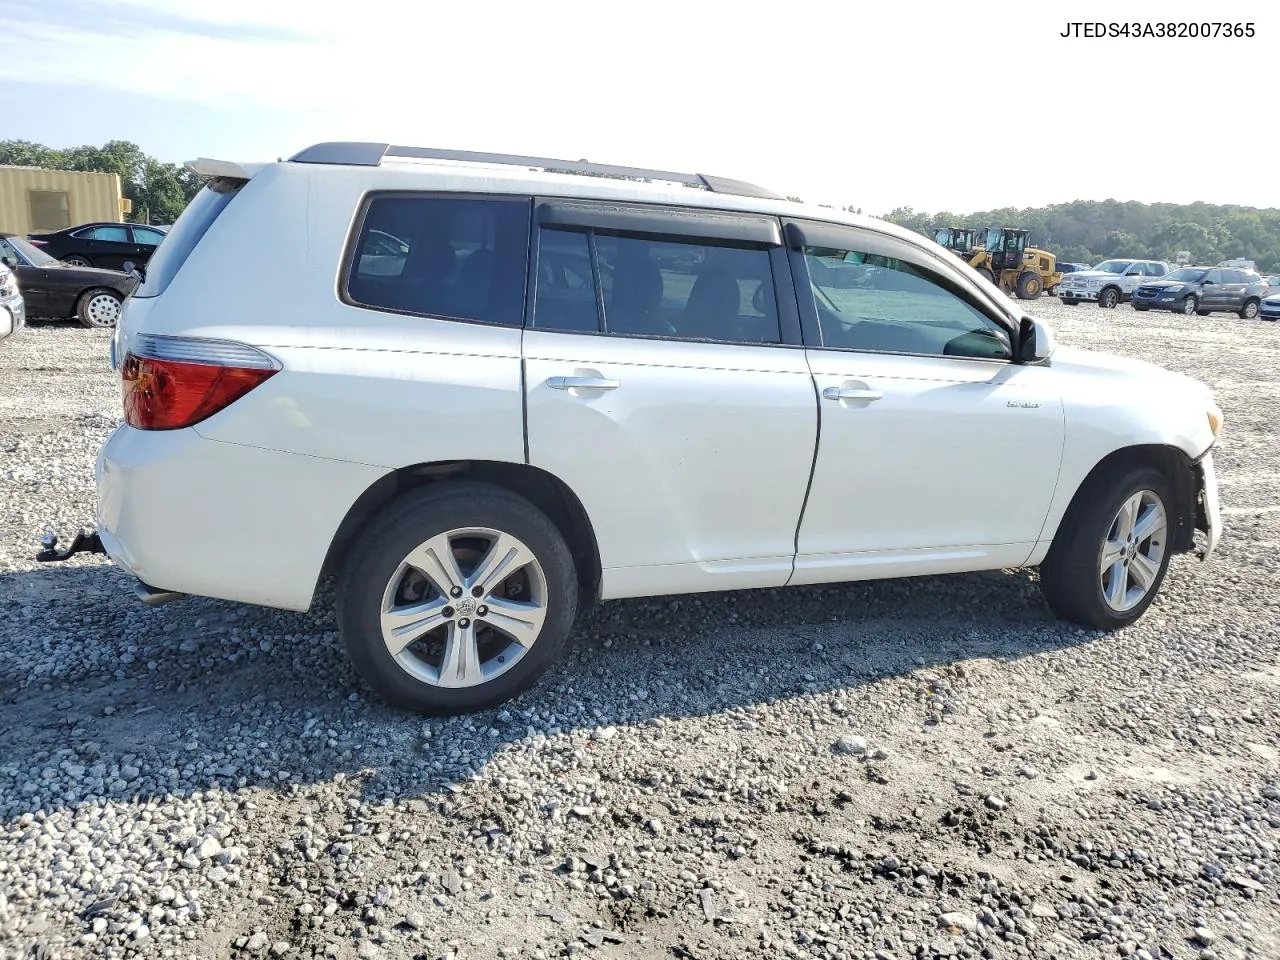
{"x": 85, "y": 541}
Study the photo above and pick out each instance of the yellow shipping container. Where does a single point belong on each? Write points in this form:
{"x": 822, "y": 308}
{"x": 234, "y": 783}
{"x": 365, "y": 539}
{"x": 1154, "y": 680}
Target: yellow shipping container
{"x": 33, "y": 200}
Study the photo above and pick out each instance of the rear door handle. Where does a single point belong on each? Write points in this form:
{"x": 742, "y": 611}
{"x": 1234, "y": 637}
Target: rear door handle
{"x": 582, "y": 383}
{"x": 851, "y": 393}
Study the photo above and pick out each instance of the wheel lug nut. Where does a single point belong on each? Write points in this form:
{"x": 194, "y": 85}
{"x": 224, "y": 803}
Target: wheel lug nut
{"x": 477, "y": 591}
{"x": 464, "y": 623}
{"x": 447, "y": 611}
{"x": 455, "y": 592}
{"x": 481, "y": 610}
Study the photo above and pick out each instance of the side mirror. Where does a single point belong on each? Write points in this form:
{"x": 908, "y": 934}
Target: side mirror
{"x": 1134, "y": 273}
{"x": 1035, "y": 341}
{"x": 135, "y": 271}
{"x": 10, "y": 262}
{"x": 1208, "y": 283}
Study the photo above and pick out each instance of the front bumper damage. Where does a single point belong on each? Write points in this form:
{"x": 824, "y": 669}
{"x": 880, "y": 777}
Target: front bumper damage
{"x": 1208, "y": 509}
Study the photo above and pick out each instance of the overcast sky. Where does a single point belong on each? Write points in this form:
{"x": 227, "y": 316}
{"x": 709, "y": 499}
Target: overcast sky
{"x": 872, "y": 104}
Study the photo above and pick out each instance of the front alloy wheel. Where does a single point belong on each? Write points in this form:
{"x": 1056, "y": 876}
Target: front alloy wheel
{"x": 1133, "y": 551}
{"x": 1108, "y": 298}
{"x": 1111, "y": 549}
{"x": 1190, "y": 305}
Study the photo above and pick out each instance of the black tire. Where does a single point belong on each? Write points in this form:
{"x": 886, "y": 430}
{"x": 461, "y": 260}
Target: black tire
{"x": 1108, "y": 298}
{"x": 984, "y": 272}
{"x": 1070, "y": 303}
{"x": 1250, "y": 310}
{"x": 1030, "y": 285}
{"x": 1203, "y": 313}
{"x": 1070, "y": 576}
{"x": 1191, "y": 305}
{"x": 406, "y": 523}
{"x": 77, "y": 260}
{"x": 1141, "y": 309}
{"x": 89, "y": 312}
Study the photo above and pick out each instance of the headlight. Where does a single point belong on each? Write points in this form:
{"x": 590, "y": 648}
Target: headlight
{"x": 1214, "y": 413}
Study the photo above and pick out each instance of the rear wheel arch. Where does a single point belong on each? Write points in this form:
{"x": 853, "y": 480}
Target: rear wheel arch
{"x": 545, "y": 491}
{"x": 1169, "y": 460}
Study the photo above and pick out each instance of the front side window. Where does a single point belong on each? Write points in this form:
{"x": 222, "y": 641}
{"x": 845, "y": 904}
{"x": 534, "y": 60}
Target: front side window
{"x": 454, "y": 257}
{"x": 1155, "y": 270}
{"x": 50, "y": 210}
{"x": 869, "y": 302}
{"x": 653, "y": 286}
{"x": 1214, "y": 276}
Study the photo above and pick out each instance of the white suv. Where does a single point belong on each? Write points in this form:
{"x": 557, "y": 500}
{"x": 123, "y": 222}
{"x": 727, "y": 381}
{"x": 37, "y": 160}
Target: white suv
{"x": 486, "y": 392}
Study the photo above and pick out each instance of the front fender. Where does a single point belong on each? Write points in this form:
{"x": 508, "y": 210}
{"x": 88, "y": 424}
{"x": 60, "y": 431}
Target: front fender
{"x": 1173, "y": 435}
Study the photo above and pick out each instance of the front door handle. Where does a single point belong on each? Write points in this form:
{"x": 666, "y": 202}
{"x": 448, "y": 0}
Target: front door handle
{"x": 582, "y": 383}
{"x": 851, "y": 393}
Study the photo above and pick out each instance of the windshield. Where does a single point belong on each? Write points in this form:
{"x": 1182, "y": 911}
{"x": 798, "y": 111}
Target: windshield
{"x": 1113, "y": 266}
{"x": 32, "y": 254}
{"x": 1187, "y": 275}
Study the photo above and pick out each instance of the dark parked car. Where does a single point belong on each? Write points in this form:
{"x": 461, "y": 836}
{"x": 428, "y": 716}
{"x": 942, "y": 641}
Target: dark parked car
{"x": 1204, "y": 290}
{"x": 59, "y": 290}
{"x": 101, "y": 244}
{"x": 1072, "y": 267}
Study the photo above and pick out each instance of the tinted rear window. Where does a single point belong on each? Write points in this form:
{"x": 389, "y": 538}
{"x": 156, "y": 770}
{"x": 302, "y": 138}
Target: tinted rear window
{"x": 455, "y": 257}
{"x": 185, "y": 234}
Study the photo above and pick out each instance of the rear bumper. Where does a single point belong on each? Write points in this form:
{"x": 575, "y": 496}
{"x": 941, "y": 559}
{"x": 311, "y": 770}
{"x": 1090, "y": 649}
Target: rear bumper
{"x": 189, "y": 515}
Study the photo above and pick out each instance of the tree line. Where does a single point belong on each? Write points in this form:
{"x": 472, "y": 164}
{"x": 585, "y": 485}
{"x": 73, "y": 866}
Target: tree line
{"x": 159, "y": 191}
{"x": 1088, "y": 231}
{"x": 1083, "y": 231}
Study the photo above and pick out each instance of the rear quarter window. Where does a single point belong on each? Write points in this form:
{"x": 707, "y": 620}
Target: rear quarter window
{"x": 455, "y": 257}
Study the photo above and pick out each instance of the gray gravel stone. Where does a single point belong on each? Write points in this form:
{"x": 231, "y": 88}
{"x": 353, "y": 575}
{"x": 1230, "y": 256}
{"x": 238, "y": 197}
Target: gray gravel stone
{"x": 206, "y": 778}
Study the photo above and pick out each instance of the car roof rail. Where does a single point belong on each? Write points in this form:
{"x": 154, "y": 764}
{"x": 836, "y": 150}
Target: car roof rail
{"x": 372, "y": 154}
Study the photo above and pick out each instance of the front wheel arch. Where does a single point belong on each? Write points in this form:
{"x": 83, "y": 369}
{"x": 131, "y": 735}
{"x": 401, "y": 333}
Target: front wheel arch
{"x": 1170, "y": 461}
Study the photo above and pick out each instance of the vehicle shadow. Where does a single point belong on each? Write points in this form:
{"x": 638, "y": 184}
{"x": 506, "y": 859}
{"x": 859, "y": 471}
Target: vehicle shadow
{"x": 110, "y": 699}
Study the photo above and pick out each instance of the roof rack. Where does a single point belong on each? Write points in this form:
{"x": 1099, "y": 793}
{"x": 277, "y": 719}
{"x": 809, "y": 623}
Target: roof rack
{"x": 372, "y": 154}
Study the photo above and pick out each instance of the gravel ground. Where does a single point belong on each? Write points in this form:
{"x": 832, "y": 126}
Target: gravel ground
{"x": 928, "y": 767}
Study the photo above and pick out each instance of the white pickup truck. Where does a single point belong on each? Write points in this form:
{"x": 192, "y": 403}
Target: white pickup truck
{"x": 1110, "y": 282}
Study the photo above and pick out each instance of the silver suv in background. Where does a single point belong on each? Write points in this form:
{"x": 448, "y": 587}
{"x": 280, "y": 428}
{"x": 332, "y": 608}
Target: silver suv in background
{"x": 1111, "y": 282}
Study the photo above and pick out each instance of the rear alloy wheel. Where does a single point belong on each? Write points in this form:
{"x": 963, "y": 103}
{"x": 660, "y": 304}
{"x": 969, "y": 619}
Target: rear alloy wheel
{"x": 1030, "y": 286}
{"x": 1112, "y": 550}
{"x": 98, "y": 309}
{"x": 75, "y": 260}
{"x": 457, "y": 598}
{"x": 1249, "y": 310}
{"x": 1191, "y": 305}
{"x": 1109, "y": 298}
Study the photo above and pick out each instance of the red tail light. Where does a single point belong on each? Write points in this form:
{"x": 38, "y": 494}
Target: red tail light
{"x": 174, "y": 382}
